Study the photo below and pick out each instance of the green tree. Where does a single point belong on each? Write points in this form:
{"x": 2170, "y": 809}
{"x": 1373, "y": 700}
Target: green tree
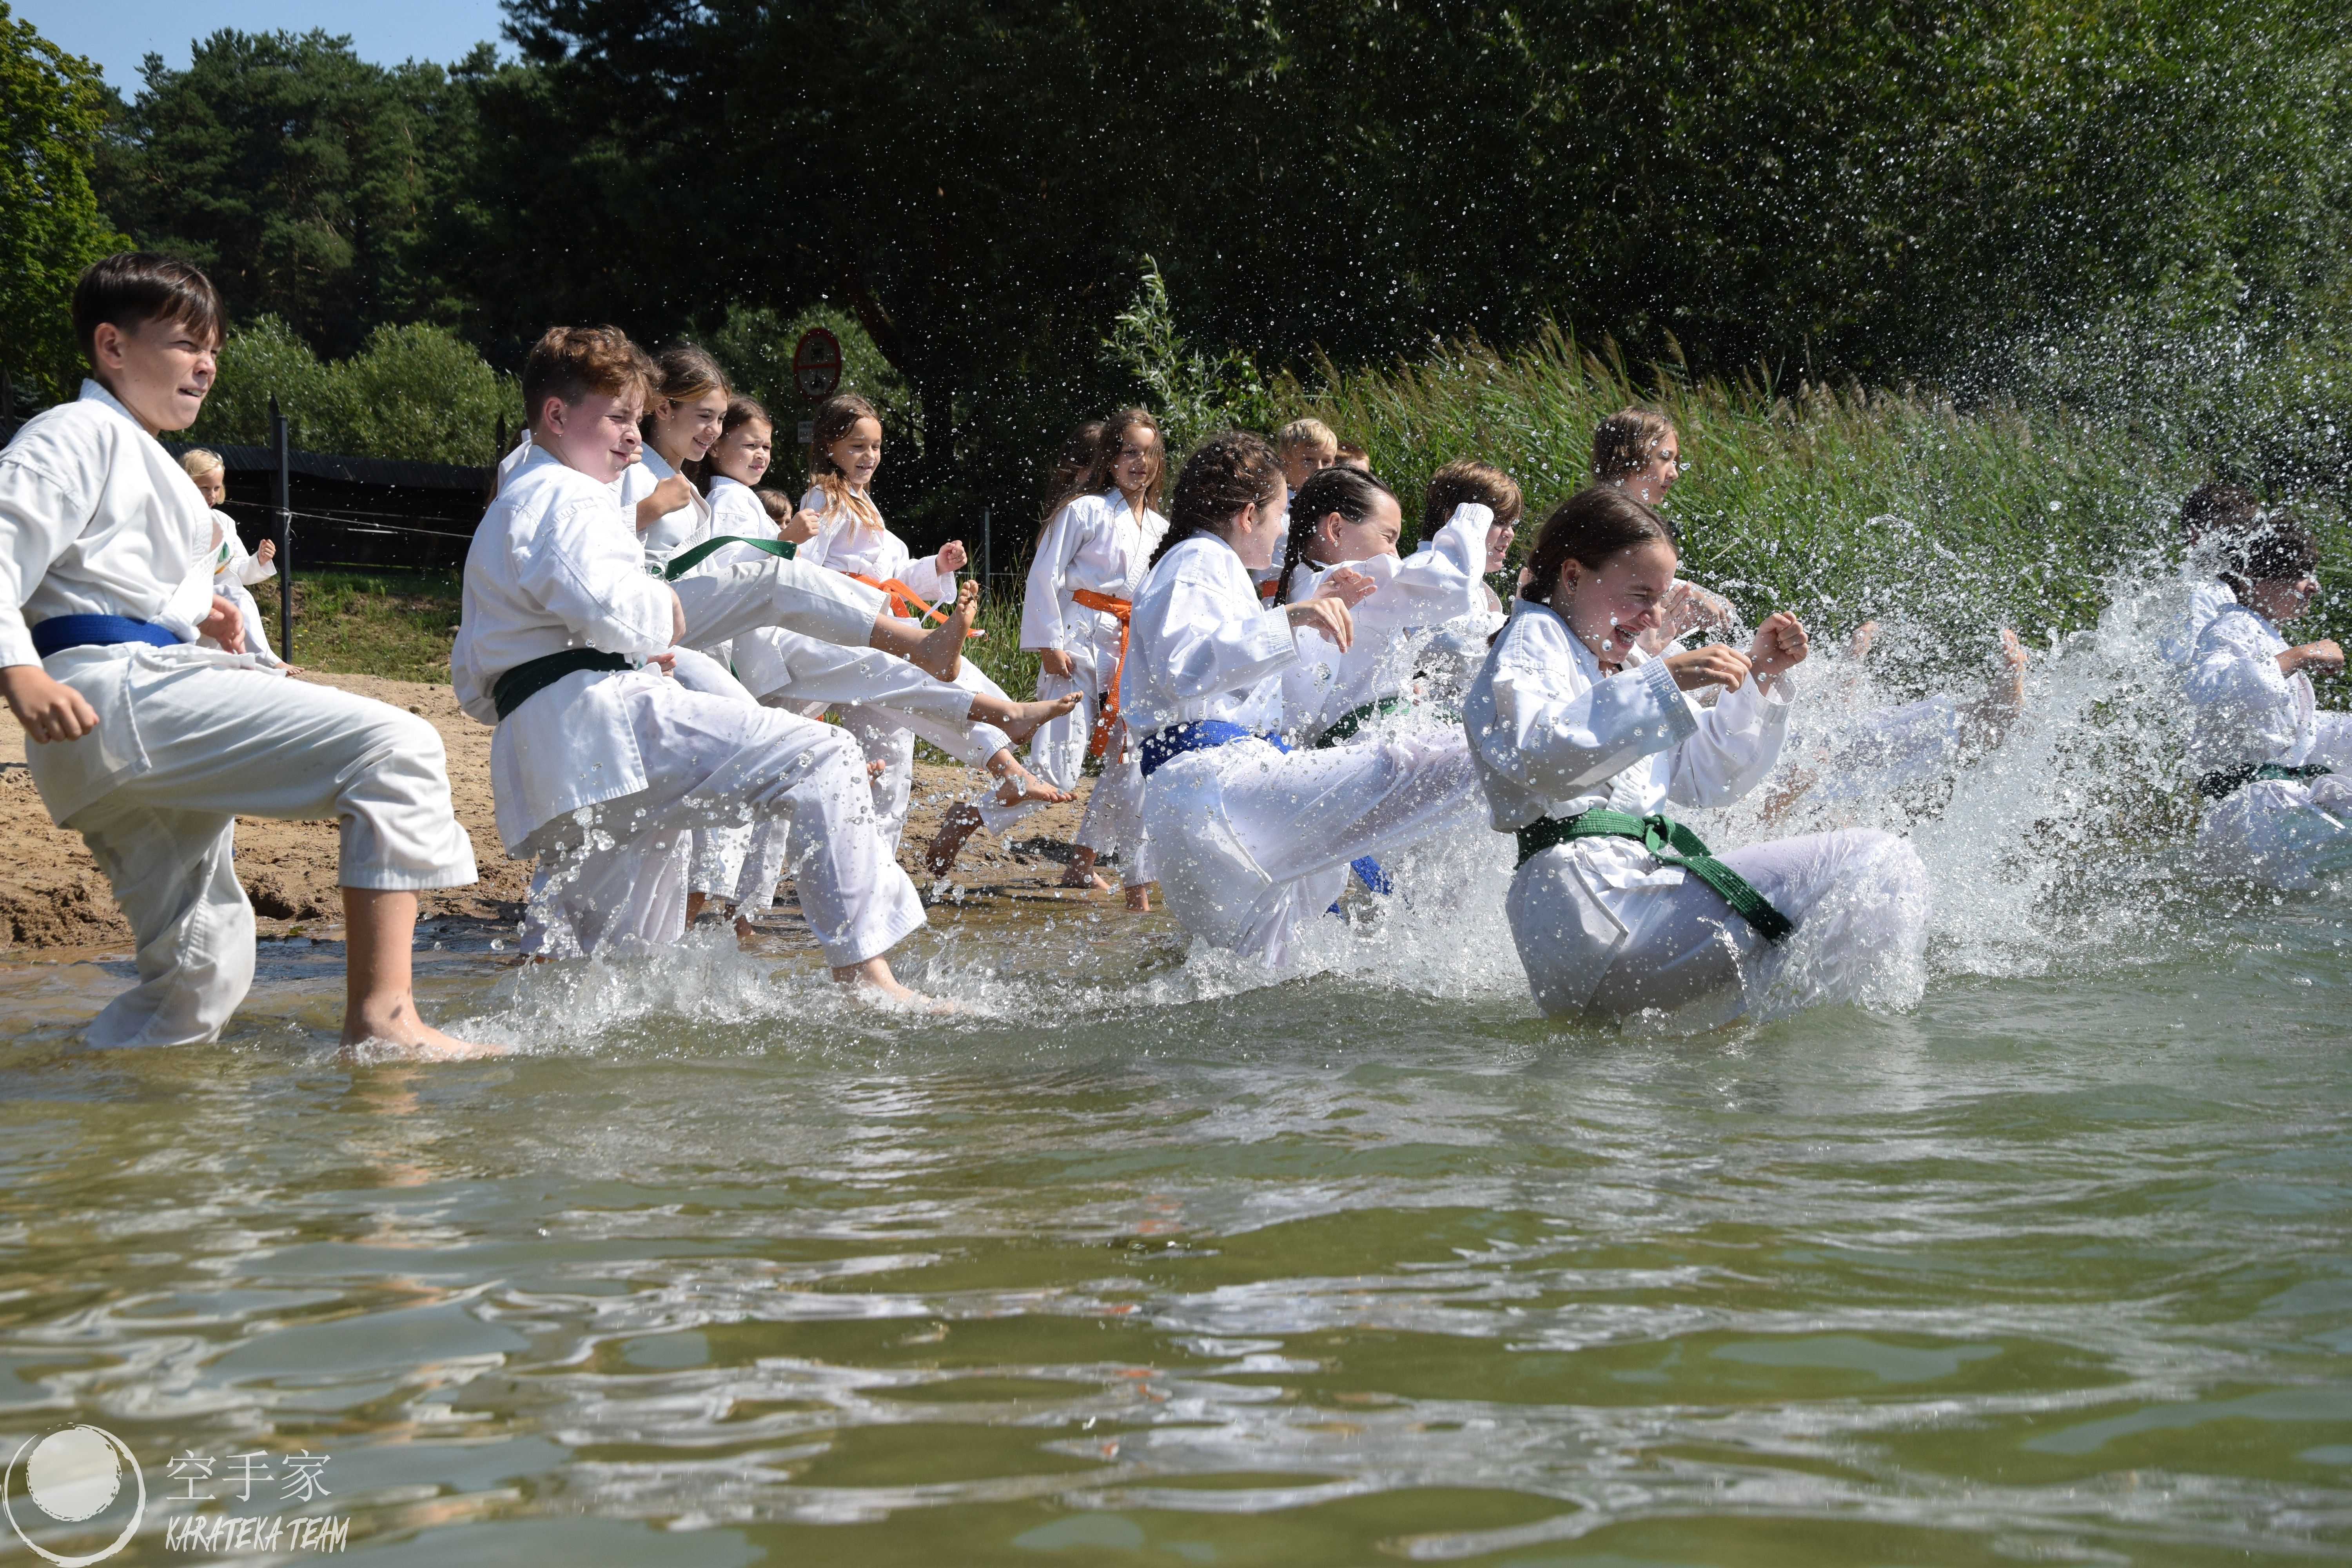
{"x": 305, "y": 181}
{"x": 417, "y": 391}
{"x": 52, "y": 109}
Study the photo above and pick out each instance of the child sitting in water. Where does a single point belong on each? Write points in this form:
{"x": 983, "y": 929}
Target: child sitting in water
{"x": 2276, "y": 768}
{"x": 1583, "y": 738}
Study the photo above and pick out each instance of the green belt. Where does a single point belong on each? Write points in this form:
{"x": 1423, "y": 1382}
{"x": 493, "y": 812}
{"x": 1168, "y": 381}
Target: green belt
{"x": 533, "y": 676}
{"x": 1669, "y": 844}
{"x": 2229, "y": 781}
{"x": 686, "y": 560}
{"x": 1356, "y": 719}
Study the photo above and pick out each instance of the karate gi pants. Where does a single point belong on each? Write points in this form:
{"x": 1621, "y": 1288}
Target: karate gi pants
{"x": 1113, "y": 823}
{"x": 1858, "y": 898}
{"x": 619, "y": 880}
{"x": 1249, "y": 842}
{"x": 2291, "y": 835}
{"x": 221, "y": 741}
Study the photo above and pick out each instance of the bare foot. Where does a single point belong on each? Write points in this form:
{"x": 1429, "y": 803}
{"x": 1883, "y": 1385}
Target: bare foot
{"x": 394, "y": 1033}
{"x": 875, "y": 770}
{"x": 1081, "y": 873}
{"x": 694, "y": 903}
{"x": 1139, "y": 899}
{"x": 1028, "y": 718}
{"x": 941, "y": 653}
{"x": 962, "y": 821}
{"x": 1020, "y": 784}
{"x": 872, "y": 981}
{"x": 746, "y": 933}
{"x": 1858, "y": 647}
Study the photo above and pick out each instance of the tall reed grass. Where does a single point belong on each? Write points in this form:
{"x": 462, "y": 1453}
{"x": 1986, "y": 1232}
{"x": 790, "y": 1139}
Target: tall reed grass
{"x": 1843, "y": 504}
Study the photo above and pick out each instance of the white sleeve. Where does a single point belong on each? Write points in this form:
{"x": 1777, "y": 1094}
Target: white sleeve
{"x": 1558, "y": 748}
{"x": 586, "y": 573}
{"x": 1436, "y": 583}
{"x": 39, "y": 517}
{"x": 1200, "y": 649}
{"x": 1041, "y": 603}
{"x": 466, "y": 676}
{"x": 1738, "y": 742}
{"x": 2236, "y": 679}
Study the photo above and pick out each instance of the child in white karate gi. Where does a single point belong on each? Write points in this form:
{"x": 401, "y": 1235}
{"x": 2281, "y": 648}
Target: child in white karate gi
{"x": 1249, "y": 837}
{"x": 1639, "y": 451}
{"x": 1080, "y": 592}
{"x": 603, "y": 764}
{"x": 853, "y": 539}
{"x": 2275, "y": 767}
{"x": 150, "y": 746}
{"x": 234, "y": 571}
{"x": 2210, "y": 516}
{"x": 1343, "y": 516}
{"x": 1583, "y": 739}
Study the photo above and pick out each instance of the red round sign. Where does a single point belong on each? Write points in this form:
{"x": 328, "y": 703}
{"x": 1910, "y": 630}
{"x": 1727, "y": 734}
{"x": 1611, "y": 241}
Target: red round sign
{"x": 816, "y": 364}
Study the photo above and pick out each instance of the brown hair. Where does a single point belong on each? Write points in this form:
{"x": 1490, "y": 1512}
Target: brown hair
{"x": 1589, "y": 528}
{"x": 836, "y": 417}
{"x": 1353, "y": 493}
{"x": 1626, "y": 441}
{"x": 682, "y": 374}
{"x": 1225, "y": 473}
{"x": 741, "y": 411}
{"x": 1354, "y": 456}
{"x": 2271, "y": 547}
{"x": 130, "y": 289}
{"x": 1114, "y": 437}
{"x": 1077, "y": 471}
{"x": 776, "y": 503}
{"x": 573, "y": 362}
{"x": 2217, "y": 507}
{"x": 1467, "y": 480}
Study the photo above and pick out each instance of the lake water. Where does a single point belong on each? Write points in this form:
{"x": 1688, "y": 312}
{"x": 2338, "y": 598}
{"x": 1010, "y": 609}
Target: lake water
{"x": 1149, "y": 1261}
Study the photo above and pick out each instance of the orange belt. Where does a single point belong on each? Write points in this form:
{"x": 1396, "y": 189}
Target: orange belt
{"x": 905, "y": 603}
{"x": 1271, "y": 586}
{"x": 1098, "y": 743}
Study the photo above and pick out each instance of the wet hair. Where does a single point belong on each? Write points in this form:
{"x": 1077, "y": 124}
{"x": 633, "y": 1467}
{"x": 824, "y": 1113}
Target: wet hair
{"x": 1114, "y": 438}
{"x": 1589, "y": 528}
{"x": 741, "y": 411}
{"x": 569, "y": 363}
{"x": 1353, "y": 493}
{"x": 1627, "y": 441}
{"x": 1225, "y": 473}
{"x": 2215, "y": 508}
{"x": 1077, "y": 471}
{"x": 130, "y": 289}
{"x": 2273, "y": 547}
{"x": 1467, "y": 480}
{"x": 1308, "y": 432}
{"x": 198, "y": 461}
{"x": 836, "y": 417}
{"x": 776, "y": 504}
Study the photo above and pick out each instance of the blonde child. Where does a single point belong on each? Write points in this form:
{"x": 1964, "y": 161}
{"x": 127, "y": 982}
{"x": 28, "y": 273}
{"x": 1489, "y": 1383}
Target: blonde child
{"x": 233, "y": 571}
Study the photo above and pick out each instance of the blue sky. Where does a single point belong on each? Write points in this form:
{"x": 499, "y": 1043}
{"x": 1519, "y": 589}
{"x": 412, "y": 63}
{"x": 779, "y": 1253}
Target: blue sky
{"x": 118, "y": 34}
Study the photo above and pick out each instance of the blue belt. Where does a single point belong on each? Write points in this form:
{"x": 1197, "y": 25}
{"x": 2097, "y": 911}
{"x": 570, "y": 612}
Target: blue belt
{"x": 60, "y": 632}
{"x": 1201, "y": 735}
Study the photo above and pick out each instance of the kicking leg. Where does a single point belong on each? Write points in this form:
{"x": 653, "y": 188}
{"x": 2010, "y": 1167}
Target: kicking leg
{"x": 380, "y": 1000}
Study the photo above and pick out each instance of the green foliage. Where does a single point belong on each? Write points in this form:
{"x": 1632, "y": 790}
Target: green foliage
{"x": 52, "y": 107}
{"x": 1193, "y": 395}
{"x": 383, "y": 621}
{"x": 305, "y": 181}
{"x": 755, "y": 346}
{"x": 1841, "y": 504}
{"x": 414, "y": 393}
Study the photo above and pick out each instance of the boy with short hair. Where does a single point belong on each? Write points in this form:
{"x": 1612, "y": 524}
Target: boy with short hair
{"x": 150, "y": 746}
{"x": 602, "y": 765}
{"x": 1305, "y": 446}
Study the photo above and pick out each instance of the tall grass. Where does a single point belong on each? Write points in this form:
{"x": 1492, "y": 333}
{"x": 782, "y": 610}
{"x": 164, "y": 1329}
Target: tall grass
{"x": 1840, "y": 503}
